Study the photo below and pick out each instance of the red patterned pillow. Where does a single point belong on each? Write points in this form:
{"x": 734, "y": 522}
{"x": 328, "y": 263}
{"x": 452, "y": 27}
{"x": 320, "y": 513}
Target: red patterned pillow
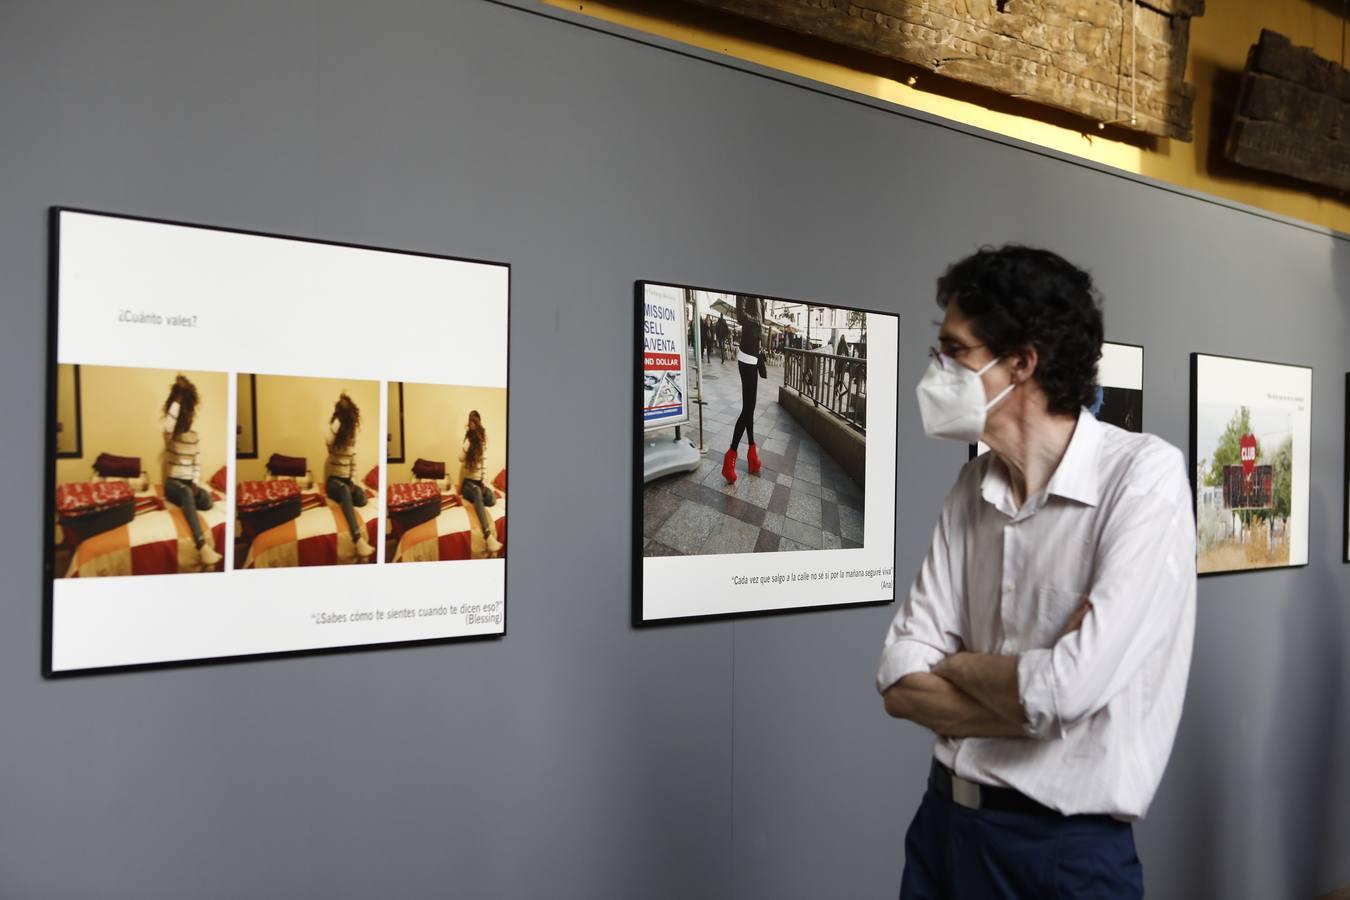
{"x": 218, "y": 480}
{"x": 372, "y": 479}
{"x": 412, "y": 494}
{"x": 85, "y": 498}
{"x": 255, "y": 496}
{"x": 500, "y": 481}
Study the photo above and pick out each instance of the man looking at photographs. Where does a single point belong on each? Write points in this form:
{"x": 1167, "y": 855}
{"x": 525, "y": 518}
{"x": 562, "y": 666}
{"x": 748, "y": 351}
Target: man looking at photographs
{"x": 1047, "y": 637}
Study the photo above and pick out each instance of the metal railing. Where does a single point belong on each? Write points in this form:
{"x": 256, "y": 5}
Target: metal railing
{"x": 838, "y": 383}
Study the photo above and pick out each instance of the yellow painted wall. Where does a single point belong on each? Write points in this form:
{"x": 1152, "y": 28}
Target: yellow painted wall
{"x": 122, "y": 409}
{"x": 434, "y": 417}
{"x": 293, "y": 416}
{"x": 1219, "y": 43}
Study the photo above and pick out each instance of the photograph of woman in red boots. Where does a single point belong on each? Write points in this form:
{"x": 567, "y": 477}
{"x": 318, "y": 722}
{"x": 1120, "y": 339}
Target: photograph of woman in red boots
{"x": 776, "y": 432}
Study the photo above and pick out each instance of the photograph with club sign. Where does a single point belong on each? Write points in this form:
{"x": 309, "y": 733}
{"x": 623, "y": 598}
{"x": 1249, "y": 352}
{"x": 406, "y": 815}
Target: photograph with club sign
{"x": 759, "y": 427}
{"x": 1250, "y": 439}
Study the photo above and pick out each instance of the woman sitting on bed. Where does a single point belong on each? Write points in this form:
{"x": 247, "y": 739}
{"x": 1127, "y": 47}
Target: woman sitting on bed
{"x": 340, "y": 468}
{"x": 472, "y": 484}
{"x": 182, "y": 470}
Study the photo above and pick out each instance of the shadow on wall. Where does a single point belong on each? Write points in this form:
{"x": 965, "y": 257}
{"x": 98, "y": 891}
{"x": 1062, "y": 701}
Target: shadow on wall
{"x": 1303, "y": 779}
{"x": 1192, "y": 802}
{"x": 1301, "y": 755}
{"x": 1328, "y": 617}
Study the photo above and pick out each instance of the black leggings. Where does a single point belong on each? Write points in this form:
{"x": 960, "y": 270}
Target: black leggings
{"x": 749, "y": 388}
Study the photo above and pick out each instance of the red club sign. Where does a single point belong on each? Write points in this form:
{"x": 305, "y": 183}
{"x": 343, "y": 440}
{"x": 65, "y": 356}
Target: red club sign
{"x": 1247, "y": 452}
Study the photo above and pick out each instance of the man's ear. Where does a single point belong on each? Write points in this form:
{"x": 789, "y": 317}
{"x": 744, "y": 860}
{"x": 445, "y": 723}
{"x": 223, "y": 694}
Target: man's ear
{"x": 1023, "y": 362}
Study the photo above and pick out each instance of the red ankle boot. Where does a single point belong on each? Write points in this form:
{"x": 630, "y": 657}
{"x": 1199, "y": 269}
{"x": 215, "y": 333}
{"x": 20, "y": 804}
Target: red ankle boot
{"x": 752, "y": 460}
{"x": 729, "y": 467}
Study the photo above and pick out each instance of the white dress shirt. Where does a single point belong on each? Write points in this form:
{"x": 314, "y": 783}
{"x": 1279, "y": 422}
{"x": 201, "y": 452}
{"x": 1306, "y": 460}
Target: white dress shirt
{"x": 1114, "y": 526}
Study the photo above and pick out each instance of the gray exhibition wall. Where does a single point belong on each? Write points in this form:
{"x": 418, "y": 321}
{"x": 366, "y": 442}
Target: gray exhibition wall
{"x": 578, "y": 757}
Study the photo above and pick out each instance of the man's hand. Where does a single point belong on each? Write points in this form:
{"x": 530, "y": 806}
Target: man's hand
{"x": 940, "y": 706}
{"x": 991, "y": 680}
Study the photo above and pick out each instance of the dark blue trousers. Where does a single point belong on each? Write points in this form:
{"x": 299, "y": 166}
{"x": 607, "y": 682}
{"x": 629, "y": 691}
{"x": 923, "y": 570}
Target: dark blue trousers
{"x": 955, "y": 853}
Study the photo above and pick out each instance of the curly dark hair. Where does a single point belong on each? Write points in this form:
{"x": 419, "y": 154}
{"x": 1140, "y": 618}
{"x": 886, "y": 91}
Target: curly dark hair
{"x": 348, "y": 416}
{"x": 476, "y": 435}
{"x": 1019, "y": 297}
{"x": 184, "y": 393}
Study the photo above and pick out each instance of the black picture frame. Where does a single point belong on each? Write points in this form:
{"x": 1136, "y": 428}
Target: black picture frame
{"x": 402, "y": 436}
{"x": 974, "y": 449}
{"x": 1345, "y": 485}
{"x": 79, "y": 423}
{"x": 253, "y": 420}
{"x": 638, "y": 618}
{"x": 1193, "y": 457}
{"x": 49, "y": 488}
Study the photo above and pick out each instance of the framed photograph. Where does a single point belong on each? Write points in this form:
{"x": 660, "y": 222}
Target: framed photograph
{"x": 1251, "y": 438}
{"x": 228, "y": 493}
{"x": 451, "y": 499}
{"x": 321, "y": 435}
{"x": 764, "y": 454}
{"x": 148, "y": 495}
{"x": 1120, "y": 389}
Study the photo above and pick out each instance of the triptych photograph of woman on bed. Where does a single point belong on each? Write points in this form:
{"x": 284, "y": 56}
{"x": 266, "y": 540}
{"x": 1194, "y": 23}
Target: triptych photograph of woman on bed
{"x": 447, "y": 472}
{"x": 140, "y": 471}
{"x": 142, "y": 481}
{"x": 308, "y": 483}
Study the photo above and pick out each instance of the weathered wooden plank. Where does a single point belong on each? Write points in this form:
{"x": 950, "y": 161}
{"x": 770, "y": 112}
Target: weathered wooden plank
{"x": 1294, "y": 106}
{"x": 1069, "y": 54}
{"x": 1277, "y": 56}
{"x": 1273, "y": 147}
{"x": 1293, "y": 115}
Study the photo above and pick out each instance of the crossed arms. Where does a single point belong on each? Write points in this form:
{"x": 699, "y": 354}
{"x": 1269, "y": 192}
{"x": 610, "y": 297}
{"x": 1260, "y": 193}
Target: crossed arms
{"x": 1142, "y": 593}
{"x": 967, "y": 694}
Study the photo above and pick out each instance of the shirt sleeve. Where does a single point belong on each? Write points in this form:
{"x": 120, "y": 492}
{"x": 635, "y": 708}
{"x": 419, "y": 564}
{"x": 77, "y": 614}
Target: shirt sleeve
{"x": 1143, "y": 588}
{"x": 927, "y": 627}
{"x": 171, "y": 418}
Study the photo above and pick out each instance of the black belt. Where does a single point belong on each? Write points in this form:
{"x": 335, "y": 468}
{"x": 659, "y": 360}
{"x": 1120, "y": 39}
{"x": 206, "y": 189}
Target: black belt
{"x": 982, "y": 796}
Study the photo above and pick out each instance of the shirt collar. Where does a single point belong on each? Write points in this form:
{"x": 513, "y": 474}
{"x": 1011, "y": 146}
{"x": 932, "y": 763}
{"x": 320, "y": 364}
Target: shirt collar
{"x": 1075, "y": 477}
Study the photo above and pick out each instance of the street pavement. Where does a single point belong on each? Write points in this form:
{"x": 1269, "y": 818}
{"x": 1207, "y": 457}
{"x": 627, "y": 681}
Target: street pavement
{"x": 800, "y": 500}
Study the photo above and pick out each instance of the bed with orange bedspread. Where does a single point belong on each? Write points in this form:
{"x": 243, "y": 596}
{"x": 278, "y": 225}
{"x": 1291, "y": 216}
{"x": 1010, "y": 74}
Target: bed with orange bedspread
{"x": 318, "y": 537}
{"x": 156, "y": 542}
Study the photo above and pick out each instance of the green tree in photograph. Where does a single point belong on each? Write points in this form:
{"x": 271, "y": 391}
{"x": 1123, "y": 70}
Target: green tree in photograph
{"x": 1228, "y": 452}
{"x": 1283, "y": 476}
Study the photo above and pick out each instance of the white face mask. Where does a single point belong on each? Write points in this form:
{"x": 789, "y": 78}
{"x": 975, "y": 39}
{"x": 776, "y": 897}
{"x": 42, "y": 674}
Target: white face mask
{"x": 952, "y": 401}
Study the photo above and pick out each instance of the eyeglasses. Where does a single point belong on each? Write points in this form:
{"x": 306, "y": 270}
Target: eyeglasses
{"x": 955, "y": 353}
